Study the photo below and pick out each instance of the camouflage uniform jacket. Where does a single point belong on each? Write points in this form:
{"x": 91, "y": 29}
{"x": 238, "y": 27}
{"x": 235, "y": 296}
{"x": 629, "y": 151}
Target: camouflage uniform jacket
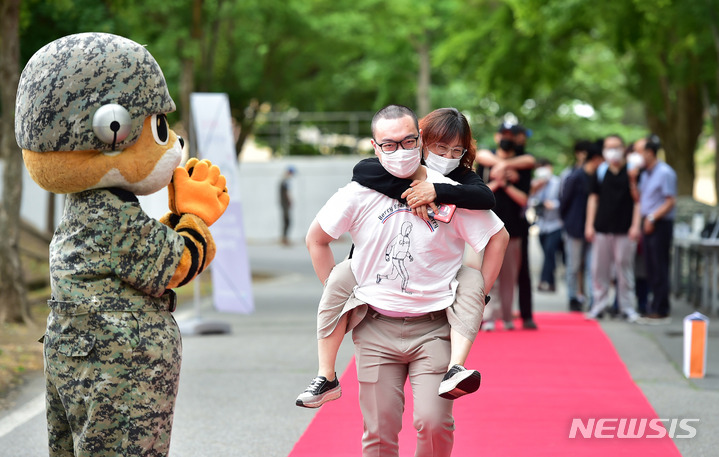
{"x": 107, "y": 249}
{"x": 112, "y": 349}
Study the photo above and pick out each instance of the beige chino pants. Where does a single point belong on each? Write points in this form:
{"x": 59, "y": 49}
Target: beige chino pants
{"x": 387, "y": 351}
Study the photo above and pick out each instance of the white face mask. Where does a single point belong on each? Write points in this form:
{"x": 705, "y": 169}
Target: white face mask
{"x": 613, "y": 155}
{"x": 440, "y": 163}
{"x": 635, "y": 160}
{"x": 402, "y": 162}
{"x": 543, "y": 173}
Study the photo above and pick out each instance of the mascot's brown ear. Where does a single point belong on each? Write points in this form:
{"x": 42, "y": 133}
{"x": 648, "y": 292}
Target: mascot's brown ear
{"x": 112, "y": 124}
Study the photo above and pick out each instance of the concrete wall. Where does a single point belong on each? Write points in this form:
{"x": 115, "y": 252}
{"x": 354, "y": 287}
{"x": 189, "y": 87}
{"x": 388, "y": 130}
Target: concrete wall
{"x": 314, "y": 183}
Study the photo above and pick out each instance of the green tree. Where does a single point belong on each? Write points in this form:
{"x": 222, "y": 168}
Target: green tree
{"x": 501, "y": 62}
{"x": 711, "y": 91}
{"x": 670, "y": 60}
{"x": 662, "y": 48}
{"x": 13, "y": 300}
{"x": 43, "y": 21}
{"x": 640, "y": 64}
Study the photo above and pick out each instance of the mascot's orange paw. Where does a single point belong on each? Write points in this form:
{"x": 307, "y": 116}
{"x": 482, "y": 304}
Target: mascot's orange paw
{"x": 199, "y": 189}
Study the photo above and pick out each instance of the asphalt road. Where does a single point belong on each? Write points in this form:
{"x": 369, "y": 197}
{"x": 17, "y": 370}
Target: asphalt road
{"x": 237, "y": 390}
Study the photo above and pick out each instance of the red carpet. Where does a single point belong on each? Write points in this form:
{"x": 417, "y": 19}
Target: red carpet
{"x": 533, "y": 385}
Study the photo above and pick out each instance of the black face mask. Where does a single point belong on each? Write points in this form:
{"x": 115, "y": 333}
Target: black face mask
{"x": 507, "y": 145}
{"x": 519, "y": 149}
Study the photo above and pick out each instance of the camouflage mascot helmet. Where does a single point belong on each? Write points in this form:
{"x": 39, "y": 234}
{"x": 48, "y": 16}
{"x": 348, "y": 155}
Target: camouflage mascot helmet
{"x": 89, "y": 91}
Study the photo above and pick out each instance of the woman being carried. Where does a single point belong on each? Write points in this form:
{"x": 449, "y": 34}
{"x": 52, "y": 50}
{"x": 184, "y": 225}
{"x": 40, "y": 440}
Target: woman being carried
{"x": 448, "y": 148}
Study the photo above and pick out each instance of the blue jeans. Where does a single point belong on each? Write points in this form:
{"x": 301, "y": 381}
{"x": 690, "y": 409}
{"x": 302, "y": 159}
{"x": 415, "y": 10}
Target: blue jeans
{"x": 550, "y": 244}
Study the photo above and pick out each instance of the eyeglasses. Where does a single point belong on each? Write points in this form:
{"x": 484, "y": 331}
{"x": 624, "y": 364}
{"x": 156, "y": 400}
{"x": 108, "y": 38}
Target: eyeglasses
{"x": 392, "y": 146}
{"x": 444, "y": 150}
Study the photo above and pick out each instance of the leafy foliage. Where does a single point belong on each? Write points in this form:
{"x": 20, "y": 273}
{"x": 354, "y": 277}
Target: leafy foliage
{"x": 566, "y": 68}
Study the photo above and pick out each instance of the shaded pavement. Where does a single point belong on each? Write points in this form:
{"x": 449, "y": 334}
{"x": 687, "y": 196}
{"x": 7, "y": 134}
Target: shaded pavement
{"x": 237, "y": 391}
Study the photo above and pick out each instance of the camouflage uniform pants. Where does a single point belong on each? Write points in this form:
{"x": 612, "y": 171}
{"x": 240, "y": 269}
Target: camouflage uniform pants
{"x": 112, "y": 379}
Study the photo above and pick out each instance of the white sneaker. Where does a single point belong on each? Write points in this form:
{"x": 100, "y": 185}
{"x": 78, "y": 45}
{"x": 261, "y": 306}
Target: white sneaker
{"x": 459, "y": 381}
{"x": 319, "y": 392}
{"x": 487, "y": 326}
{"x": 654, "y": 320}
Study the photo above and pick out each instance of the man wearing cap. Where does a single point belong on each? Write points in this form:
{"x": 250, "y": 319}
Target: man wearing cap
{"x": 524, "y": 280}
{"x": 506, "y": 165}
{"x": 657, "y": 197}
{"x": 505, "y": 136}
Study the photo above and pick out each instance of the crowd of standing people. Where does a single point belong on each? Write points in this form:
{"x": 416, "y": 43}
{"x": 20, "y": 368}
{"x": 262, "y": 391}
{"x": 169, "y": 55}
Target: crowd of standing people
{"x": 614, "y": 210}
{"x": 609, "y": 217}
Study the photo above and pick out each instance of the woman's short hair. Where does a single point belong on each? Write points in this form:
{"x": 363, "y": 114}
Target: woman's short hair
{"x": 444, "y": 125}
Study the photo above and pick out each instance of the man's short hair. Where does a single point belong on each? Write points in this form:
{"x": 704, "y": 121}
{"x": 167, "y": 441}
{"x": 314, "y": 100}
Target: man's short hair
{"x": 590, "y": 147}
{"x": 653, "y": 143}
{"x": 394, "y": 112}
{"x": 543, "y": 162}
{"x": 593, "y": 151}
{"x": 582, "y": 145}
{"x": 615, "y": 135}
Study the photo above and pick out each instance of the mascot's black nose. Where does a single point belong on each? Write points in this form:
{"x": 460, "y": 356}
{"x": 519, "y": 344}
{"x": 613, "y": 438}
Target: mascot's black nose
{"x": 182, "y": 142}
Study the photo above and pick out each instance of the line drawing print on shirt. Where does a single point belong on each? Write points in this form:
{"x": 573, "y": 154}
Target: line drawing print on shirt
{"x": 398, "y": 251}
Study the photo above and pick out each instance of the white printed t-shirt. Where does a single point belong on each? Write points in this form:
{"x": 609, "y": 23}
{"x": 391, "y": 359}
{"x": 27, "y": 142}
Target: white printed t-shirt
{"x": 402, "y": 263}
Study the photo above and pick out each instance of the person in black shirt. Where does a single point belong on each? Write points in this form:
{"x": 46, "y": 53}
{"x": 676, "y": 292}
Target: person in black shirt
{"x": 511, "y": 189}
{"x": 573, "y": 209}
{"x": 524, "y": 281}
{"x": 612, "y": 226}
{"x": 522, "y": 160}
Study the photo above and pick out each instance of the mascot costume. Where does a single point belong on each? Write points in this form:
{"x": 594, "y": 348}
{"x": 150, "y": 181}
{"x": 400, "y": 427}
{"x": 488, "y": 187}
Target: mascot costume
{"x": 90, "y": 119}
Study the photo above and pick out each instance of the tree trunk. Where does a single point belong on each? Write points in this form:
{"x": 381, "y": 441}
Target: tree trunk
{"x": 187, "y": 78}
{"x": 423, "y": 81}
{"x": 711, "y": 106}
{"x": 13, "y": 300}
{"x": 246, "y": 124}
{"x": 211, "y": 50}
{"x": 679, "y": 126}
{"x": 713, "y": 110}
{"x": 715, "y": 125}
{"x": 186, "y": 88}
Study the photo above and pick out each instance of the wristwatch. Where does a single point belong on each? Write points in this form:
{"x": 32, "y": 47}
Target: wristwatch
{"x": 650, "y": 218}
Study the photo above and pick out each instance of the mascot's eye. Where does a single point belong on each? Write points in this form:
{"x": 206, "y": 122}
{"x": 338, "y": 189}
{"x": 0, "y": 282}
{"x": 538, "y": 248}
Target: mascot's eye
{"x": 160, "y": 129}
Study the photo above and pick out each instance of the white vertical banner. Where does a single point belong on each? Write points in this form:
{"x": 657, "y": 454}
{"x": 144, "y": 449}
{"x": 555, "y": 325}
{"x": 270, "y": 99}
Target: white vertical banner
{"x": 231, "y": 275}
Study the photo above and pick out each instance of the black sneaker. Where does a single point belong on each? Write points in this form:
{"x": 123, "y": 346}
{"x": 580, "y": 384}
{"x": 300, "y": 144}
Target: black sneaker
{"x": 529, "y": 324}
{"x": 319, "y": 392}
{"x": 575, "y": 305}
{"x": 459, "y": 381}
